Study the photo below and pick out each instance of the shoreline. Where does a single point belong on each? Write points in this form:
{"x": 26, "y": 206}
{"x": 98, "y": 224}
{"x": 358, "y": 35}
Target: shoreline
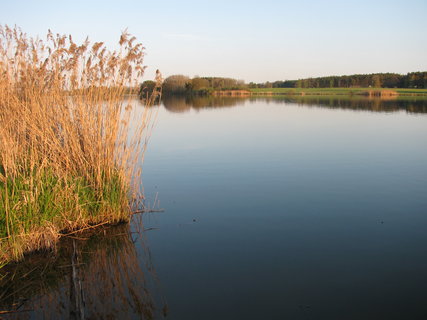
{"x": 367, "y": 92}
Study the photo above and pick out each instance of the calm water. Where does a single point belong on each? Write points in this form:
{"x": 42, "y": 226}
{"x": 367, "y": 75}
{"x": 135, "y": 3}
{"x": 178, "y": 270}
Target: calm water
{"x": 313, "y": 208}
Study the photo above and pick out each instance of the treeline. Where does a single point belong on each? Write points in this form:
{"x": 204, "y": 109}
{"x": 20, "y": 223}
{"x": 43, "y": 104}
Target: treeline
{"x": 180, "y": 84}
{"x": 375, "y": 80}
{"x": 275, "y": 84}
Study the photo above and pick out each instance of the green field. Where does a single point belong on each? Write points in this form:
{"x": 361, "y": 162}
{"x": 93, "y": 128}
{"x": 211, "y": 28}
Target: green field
{"x": 335, "y": 91}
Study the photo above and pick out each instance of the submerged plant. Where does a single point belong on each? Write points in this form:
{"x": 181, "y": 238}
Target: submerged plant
{"x": 67, "y": 151}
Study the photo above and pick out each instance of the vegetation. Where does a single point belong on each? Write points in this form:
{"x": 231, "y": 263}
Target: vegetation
{"x": 180, "y": 84}
{"x": 67, "y": 152}
{"x": 376, "y": 80}
{"x": 413, "y": 83}
{"x": 147, "y": 88}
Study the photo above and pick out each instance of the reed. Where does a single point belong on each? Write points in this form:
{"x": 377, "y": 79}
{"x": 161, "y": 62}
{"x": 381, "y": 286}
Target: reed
{"x": 67, "y": 152}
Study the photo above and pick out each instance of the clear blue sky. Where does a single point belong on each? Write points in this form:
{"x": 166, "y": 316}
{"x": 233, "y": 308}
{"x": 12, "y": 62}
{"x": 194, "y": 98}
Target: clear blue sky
{"x": 250, "y": 40}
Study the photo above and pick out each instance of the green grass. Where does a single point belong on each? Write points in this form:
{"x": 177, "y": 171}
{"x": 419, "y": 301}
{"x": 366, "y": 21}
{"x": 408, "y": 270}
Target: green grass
{"x": 39, "y": 200}
{"x": 410, "y": 91}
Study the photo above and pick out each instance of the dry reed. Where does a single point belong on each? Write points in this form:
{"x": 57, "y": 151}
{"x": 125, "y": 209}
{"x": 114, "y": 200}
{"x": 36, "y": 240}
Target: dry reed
{"x": 67, "y": 152}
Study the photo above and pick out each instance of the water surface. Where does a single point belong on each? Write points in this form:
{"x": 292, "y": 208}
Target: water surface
{"x": 275, "y": 208}
{"x": 280, "y": 208}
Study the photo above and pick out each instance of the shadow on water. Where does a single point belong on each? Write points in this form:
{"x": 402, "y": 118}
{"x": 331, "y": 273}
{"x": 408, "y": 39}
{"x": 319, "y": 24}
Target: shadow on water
{"x": 95, "y": 275}
{"x": 180, "y": 104}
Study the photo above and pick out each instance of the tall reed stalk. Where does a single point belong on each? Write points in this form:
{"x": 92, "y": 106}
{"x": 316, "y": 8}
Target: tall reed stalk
{"x": 67, "y": 151}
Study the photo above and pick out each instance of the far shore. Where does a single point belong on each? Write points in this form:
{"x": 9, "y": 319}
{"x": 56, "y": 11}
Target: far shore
{"x": 369, "y": 92}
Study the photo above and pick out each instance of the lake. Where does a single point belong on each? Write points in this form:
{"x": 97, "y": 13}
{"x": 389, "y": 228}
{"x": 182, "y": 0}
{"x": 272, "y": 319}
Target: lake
{"x": 279, "y": 207}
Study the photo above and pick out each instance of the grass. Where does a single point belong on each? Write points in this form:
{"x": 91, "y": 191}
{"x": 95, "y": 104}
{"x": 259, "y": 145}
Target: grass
{"x": 335, "y": 91}
{"x": 68, "y": 154}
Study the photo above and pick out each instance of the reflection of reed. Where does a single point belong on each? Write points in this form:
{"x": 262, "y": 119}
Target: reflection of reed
{"x": 99, "y": 277}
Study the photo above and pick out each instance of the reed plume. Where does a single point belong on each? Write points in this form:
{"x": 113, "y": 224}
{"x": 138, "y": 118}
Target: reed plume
{"x": 67, "y": 151}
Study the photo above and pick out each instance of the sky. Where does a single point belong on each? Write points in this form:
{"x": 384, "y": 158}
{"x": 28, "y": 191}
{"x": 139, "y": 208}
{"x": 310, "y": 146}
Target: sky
{"x": 257, "y": 41}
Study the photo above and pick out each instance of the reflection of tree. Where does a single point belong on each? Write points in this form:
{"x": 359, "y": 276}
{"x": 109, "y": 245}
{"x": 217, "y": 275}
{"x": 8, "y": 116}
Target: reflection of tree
{"x": 186, "y": 103}
{"x": 176, "y": 104}
{"x": 99, "y": 277}
{"x": 413, "y": 105}
{"x": 362, "y": 103}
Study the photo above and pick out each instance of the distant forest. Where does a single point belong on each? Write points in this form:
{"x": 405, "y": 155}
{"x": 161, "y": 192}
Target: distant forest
{"x": 376, "y": 80}
{"x": 180, "y": 84}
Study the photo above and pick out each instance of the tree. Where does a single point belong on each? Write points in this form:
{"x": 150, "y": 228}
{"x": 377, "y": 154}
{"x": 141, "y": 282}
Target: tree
{"x": 175, "y": 84}
{"x": 376, "y": 81}
{"x": 146, "y": 88}
{"x": 199, "y": 84}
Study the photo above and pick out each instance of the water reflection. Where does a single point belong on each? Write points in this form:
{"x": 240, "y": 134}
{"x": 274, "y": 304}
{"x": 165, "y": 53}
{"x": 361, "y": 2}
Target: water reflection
{"x": 408, "y": 104}
{"x": 180, "y": 104}
{"x": 326, "y": 218}
{"x": 92, "y": 276}
{"x": 294, "y": 210}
